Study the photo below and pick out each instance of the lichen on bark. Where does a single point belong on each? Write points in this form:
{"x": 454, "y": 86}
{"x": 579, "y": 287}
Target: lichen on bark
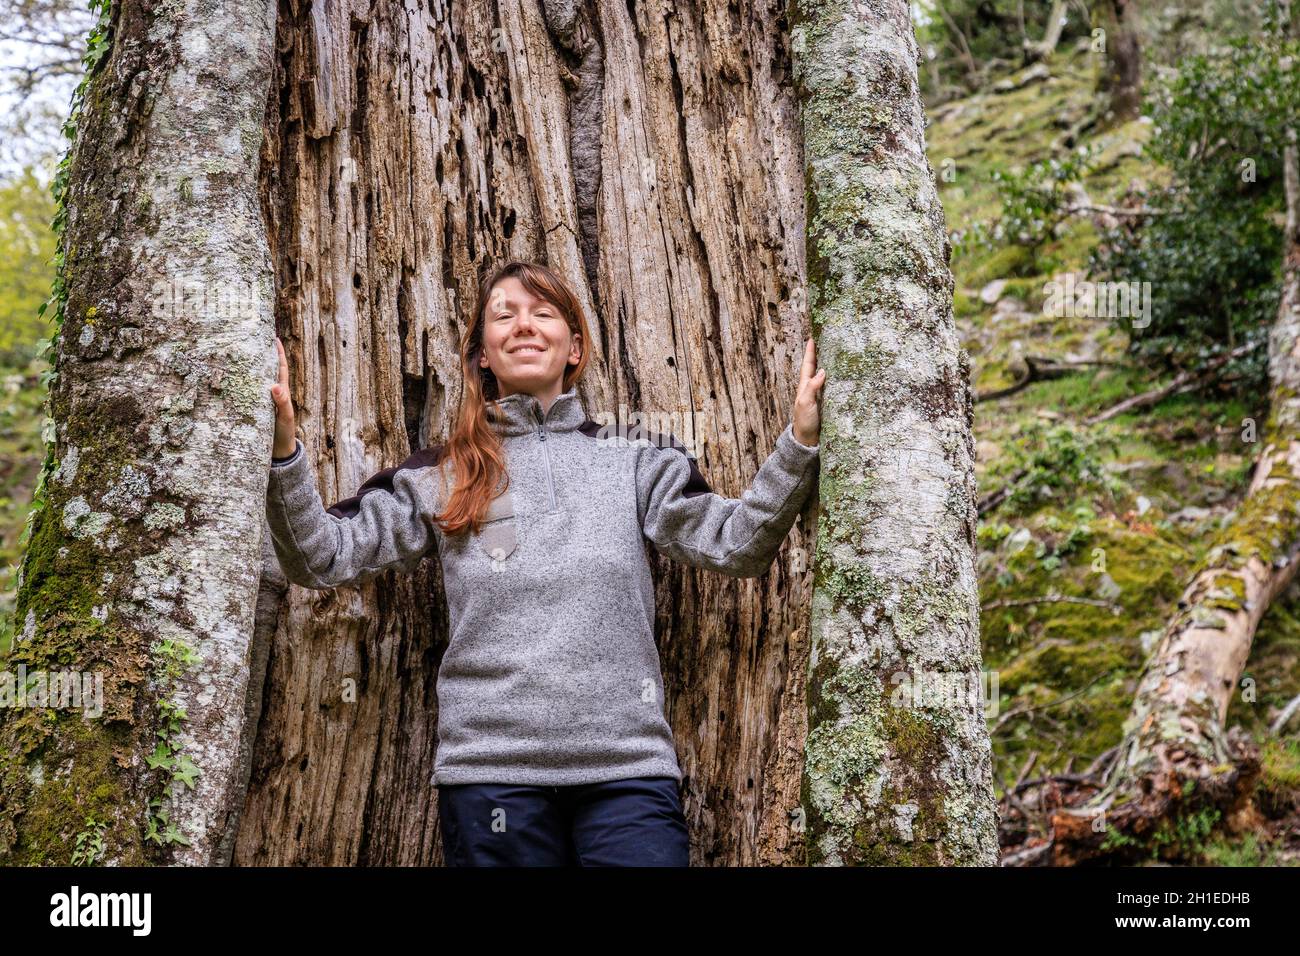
{"x": 895, "y": 591}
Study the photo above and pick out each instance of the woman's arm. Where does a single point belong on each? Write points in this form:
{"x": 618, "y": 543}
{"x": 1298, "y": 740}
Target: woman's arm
{"x": 738, "y": 536}
{"x": 383, "y": 525}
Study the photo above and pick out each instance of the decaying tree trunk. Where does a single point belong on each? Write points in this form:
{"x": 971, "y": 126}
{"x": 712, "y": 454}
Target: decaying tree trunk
{"x": 143, "y": 565}
{"x": 652, "y": 153}
{"x": 1120, "y": 79}
{"x": 899, "y": 764}
{"x": 1175, "y": 754}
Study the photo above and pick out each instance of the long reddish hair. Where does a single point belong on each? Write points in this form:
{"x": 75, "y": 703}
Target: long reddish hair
{"x": 474, "y": 447}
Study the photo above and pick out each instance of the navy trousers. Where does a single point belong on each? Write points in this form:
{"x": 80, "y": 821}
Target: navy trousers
{"x": 632, "y": 822}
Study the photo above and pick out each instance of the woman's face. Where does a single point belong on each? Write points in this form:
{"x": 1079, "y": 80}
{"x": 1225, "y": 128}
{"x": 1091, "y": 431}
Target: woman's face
{"x": 526, "y": 341}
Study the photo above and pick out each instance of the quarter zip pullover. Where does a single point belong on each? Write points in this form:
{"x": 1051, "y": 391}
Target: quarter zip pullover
{"x": 551, "y": 676}
{"x": 541, "y": 436}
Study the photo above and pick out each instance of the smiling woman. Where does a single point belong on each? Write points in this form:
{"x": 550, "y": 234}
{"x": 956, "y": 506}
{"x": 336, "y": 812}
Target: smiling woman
{"x": 550, "y": 693}
{"x": 528, "y": 341}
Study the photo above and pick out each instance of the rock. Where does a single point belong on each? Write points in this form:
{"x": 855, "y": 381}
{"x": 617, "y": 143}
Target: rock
{"x": 1124, "y": 467}
{"x": 1176, "y": 475}
{"x": 1017, "y": 540}
{"x": 989, "y": 294}
{"x": 1190, "y": 514}
{"x": 1010, "y": 309}
{"x": 1107, "y": 589}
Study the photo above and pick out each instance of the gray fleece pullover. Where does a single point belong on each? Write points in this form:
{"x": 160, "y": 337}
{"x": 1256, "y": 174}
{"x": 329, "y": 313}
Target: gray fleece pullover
{"x": 551, "y": 676}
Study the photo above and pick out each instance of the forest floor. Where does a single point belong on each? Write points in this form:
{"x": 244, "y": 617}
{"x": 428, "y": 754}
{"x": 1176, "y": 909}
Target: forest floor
{"x": 1081, "y": 567}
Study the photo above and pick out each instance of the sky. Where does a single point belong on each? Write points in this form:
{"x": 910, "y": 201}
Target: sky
{"x": 44, "y": 142}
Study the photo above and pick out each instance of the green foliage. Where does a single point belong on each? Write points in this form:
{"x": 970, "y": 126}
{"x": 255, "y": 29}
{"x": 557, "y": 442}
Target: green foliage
{"x": 21, "y": 451}
{"x": 1035, "y": 201}
{"x": 1058, "y": 460}
{"x": 1213, "y": 258}
{"x": 173, "y": 657}
{"x": 89, "y": 848}
{"x": 1250, "y": 850}
{"x": 1077, "y": 533}
{"x": 26, "y": 250}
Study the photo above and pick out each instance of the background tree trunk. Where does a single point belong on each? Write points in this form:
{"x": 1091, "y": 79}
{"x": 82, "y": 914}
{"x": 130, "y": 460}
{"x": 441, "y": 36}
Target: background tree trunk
{"x": 1044, "y": 48}
{"x": 650, "y": 152}
{"x": 143, "y": 562}
{"x": 1120, "y": 79}
{"x": 899, "y": 763}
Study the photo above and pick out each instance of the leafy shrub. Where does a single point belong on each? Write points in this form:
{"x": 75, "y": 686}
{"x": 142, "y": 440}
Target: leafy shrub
{"x": 1213, "y": 258}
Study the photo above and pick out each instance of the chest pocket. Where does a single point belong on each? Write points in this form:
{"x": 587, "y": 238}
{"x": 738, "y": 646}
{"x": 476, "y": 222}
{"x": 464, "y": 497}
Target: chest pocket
{"x": 499, "y": 535}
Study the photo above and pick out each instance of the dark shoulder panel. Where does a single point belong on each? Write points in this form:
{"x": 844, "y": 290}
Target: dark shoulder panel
{"x": 695, "y": 484}
{"x": 383, "y": 481}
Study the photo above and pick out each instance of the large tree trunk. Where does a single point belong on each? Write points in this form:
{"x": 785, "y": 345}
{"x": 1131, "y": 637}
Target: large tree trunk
{"x": 899, "y": 764}
{"x": 1176, "y": 755}
{"x": 1120, "y": 78}
{"x": 143, "y": 566}
{"x": 652, "y": 153}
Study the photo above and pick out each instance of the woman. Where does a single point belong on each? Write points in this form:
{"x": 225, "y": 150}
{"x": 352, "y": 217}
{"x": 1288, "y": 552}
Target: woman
{"x": 552, "y": 742}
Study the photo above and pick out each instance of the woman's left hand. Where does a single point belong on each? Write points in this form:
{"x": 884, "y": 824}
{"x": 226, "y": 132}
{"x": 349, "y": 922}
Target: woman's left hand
{"x": 807, "y": 403}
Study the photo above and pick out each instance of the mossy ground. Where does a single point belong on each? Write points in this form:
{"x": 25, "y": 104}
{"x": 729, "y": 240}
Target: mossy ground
{"x": 1122, "y": 541}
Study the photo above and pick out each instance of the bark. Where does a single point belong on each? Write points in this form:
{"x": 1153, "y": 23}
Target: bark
{"x": 653, "y": 154}
{"x": 143, "y": 565}
{"x": 898, "y": 759}
{"x": 1121, "y": 76}
{"x": 1176, "y": 757}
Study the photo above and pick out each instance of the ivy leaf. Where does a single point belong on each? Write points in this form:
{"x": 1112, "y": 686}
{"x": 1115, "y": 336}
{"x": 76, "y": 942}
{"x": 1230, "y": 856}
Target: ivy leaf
{"x": 186, "y": 771}
{"x": 160, "y": 758}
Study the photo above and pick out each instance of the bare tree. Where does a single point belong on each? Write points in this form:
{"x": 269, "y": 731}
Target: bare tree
{"x": 41, "y": 48}
{"x": 1044, "y": 48}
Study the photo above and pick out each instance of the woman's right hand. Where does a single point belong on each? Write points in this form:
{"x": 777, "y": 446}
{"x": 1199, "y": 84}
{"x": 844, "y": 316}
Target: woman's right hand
{"x": 285, "y": 428}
